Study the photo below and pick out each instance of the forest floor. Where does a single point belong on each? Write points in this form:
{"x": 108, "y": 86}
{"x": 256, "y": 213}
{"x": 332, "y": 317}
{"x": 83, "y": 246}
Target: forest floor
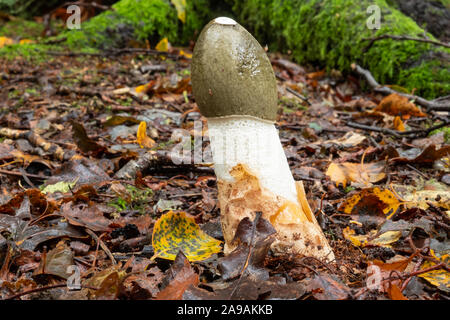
{"x": 375, "y": 171}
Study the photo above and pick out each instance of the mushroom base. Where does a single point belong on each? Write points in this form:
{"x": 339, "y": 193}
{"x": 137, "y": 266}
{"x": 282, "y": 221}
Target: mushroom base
{"x": 297, "y": 229}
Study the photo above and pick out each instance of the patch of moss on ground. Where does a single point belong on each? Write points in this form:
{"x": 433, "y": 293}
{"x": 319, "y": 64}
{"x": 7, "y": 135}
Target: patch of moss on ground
{"x": 446, "y": 131}
{"x": 330, "y": 33}
{"x": 21, "y": 29}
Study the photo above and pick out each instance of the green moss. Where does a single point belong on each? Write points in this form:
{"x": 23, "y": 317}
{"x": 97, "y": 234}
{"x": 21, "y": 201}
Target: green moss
{"x": 330, "y": 33}
{"x": 446, "y": 131}
{"x": 139, "y": 20}
{"x": 22, "y": 29}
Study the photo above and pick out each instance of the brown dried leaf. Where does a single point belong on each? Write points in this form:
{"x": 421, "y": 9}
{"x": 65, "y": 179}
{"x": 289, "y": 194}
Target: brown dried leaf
{"x": 85, "y": 216}
{"x": 182, "y": 277}
{"x": 397, "y": 105}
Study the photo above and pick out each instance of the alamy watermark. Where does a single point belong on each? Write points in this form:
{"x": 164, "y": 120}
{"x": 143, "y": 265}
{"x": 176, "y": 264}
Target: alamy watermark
{"x": 74, "y": 20}
{"x": 373, "y": 22}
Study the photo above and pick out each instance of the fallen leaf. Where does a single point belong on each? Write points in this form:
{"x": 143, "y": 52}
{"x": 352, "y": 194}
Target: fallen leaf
{"x": 180, "y": 6}
{"x": 248, "y": 288}
{"x": 371, "y": 200}
{"x": 397, "y": 105}
{"x": 182, "y": 277}
{"x": 175, "y": 231}
{"x": 61, "y": 186}
{"x": 371, "y": 239}
{"x": 84, "y": 143}
{"x": 163, "y": 45}
{"x": 348, "y": 172}
{"x": 85, "y": 216}
{"x": 429, "y": 155}
{"x": 326, "y": 287}
{"x": 252, "y": 240}
{"x": 5, "y": 41}
{"x": 57, "y": 261}
{"x": 395, "y": 293}
{"x": 350, "y": 139}
{"x": 440, "y": 277}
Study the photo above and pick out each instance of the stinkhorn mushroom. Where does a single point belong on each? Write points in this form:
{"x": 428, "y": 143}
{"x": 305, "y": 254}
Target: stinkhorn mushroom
{"x": 235, "y": 89}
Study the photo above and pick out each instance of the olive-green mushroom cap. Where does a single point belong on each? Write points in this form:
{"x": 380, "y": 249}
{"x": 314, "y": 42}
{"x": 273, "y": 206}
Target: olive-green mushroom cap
{"x": 231, "y": 74}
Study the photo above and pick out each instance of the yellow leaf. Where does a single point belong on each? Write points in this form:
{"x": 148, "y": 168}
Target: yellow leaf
{"x": 163, "y": 45}
{"x": 383, "y": 240}
{"x": 384, "y": 200}
{"x": 361, "y": 173}
{"x": 143, "y": 88}
{"x": 398, "y": 124}
{"x": 180, "y": 6}
{"x": 23, "y": 41}
{"x": 5, "y": 41}
{"x": 357, "y": 240}
{"x": 439, "y": 277}
{"x": 420, "y": 199}
{"x": 142, "y": 138}
{"x": 175, "y": 231}
{"x": 185, "y": 54}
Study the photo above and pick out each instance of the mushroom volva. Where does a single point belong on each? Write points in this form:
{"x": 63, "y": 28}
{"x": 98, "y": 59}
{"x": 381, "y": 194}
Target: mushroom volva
{"x": 235, "y": 89}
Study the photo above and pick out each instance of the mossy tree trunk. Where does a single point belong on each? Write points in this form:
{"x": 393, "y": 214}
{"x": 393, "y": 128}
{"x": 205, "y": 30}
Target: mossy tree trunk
{"x": 330, "y": 34}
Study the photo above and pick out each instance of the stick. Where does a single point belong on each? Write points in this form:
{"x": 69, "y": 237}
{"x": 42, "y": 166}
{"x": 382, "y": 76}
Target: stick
{"x": 61, "y": 285}
{"x": 430, "y": 105}
{"x": 36, "y": 140}
{"x": 397, "y": 134}
{"x": 113, "y": 52}
{"x": 102, "y": 244}
{"x": 298, "y": 95}
{"x": 20, "y": 174}
{"x": 401, "y": 38}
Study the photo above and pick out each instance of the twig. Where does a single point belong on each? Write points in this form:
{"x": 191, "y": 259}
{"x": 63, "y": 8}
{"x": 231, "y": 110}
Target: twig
{"x": 402, "y": 38}
{"x": 298, "y": 95}
{"x": 35, "y": 139}
{"x": 113, "y": 52}
{"x": 20, "y": 174}
{"x": 429, "y": 105}
{"x": 102, "y": 244}
{"x": 61, "y": 285}
{"x": 397, "y": 134}
{"x": 372, "y": 128}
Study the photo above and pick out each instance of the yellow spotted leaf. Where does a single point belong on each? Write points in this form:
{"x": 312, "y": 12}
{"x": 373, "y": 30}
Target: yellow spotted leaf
{"x": 373, "y": 199}
{"x": 383, "y": 240}
{"x": 357, "y": 240}
{"x": 176, "y": 231}
{"x": 440, "y": 277}
{"x": 180, "y": 6}
{"x": 163, "y": 45}
{"x": 142, "y": 138}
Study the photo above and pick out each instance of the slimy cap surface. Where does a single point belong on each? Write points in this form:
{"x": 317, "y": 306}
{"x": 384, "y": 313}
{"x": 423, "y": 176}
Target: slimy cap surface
{"x": 231, "y": 73}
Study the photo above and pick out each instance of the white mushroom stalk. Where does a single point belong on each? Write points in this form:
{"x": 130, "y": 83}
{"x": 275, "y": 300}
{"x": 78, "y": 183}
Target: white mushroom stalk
{"x": 235, "y": 89}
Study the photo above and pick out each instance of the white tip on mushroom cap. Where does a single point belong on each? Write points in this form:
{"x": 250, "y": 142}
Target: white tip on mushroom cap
{"x": 225, "y": 21}
{"x": 255, "y": 143}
